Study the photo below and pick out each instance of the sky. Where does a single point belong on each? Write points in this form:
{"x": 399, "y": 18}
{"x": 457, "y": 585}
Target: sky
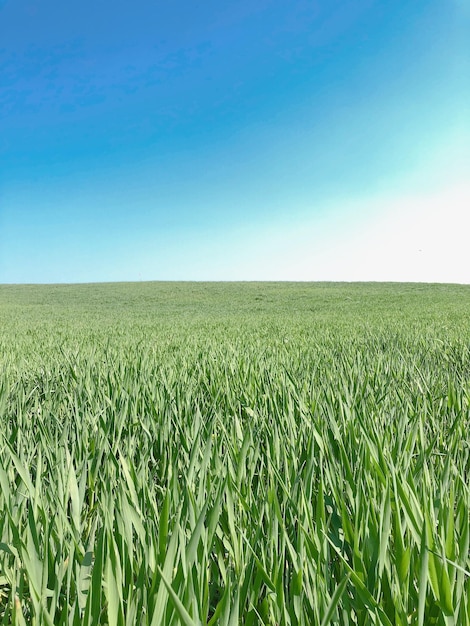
{"x": 247, "y": 140}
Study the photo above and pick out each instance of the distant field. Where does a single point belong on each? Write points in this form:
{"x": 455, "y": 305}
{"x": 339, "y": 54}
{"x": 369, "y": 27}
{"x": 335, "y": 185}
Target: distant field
{"x": 235, "y": 453}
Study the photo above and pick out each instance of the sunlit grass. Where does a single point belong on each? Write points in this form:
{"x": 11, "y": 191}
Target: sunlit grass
{"x": 235, "y": 454}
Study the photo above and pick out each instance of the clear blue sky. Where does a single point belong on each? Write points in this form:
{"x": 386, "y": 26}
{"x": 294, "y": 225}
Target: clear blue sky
{"x": 265, "y": 139}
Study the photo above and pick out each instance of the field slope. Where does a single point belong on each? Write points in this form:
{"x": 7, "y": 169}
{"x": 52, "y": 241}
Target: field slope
{"x": 240, "y": 453}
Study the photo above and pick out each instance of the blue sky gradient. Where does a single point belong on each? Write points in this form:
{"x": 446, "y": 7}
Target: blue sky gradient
{"x": 232, "y": 140}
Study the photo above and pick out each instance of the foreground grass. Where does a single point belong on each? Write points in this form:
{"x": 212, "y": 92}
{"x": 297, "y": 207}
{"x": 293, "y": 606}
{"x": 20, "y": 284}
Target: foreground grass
{"x": 234, "y": 454}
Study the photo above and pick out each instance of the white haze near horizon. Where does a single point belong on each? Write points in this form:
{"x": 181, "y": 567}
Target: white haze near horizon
{"x": 412, "y": 237}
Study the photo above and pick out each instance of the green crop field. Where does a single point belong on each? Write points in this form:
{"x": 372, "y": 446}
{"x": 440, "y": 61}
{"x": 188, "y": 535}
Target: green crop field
{"x": 258, "y": 453}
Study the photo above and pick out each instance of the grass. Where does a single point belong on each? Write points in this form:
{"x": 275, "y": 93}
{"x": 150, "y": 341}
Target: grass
{"x": 190, "y": 453}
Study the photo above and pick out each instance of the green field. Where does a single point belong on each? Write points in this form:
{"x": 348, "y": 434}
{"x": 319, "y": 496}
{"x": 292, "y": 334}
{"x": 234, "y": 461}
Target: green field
{"x": 251, "y": 453}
